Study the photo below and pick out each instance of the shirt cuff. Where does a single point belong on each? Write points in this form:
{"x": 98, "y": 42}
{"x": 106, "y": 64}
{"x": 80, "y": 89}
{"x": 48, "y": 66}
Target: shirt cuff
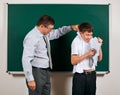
{"x": 29, "y": 78}
{"x": 69, "y": 27}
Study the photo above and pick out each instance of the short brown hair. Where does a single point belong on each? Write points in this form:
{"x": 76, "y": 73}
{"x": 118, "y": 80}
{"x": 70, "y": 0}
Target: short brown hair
{"x": 85, "y": 27}
{"x": 45, "y": 20}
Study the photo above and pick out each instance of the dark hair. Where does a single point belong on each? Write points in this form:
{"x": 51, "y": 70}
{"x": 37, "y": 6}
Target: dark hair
{"x": 45, "y": 20}
{"x": 85, "y": 27}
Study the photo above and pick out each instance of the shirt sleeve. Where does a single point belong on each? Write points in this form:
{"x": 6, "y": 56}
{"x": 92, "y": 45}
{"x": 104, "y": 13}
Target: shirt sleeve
{"x": 28, "y": 56}
{"x": 74, "y": 47}
{"x": 56, "y": 33}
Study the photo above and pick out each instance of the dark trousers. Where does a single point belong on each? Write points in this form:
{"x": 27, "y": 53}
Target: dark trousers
{"x": 42, "y": 79}
{"x": 84, "y": 84}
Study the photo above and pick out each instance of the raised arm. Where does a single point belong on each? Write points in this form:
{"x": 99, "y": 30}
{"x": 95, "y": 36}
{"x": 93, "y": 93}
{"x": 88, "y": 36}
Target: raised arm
{"x": 100, "y": 52}
{"x": 56, "y": 33}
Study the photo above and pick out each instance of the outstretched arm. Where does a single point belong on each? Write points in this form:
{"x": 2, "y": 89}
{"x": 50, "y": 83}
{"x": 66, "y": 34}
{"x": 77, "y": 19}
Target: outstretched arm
{"x": 56, "y": 33}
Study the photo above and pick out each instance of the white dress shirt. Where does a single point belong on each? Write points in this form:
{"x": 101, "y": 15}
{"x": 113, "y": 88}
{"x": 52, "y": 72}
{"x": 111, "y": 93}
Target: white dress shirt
{"x": 80, "y": 47}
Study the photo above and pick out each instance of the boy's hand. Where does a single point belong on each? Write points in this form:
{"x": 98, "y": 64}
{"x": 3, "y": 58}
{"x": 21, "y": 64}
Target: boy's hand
{"x": 92, "y": 52}
{"x": 100, "y": 40}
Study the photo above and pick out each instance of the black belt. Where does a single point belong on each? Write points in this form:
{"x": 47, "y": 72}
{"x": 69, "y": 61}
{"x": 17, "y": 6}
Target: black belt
{"x": 40, "y": 68}
{"x": 86, "y": 73}
{"x": 89, "y": 72}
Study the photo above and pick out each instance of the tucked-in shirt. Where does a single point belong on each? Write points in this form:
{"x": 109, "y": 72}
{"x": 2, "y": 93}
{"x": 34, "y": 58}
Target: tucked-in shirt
{"x": 35, "y": 50}
{"x": 80, "y": 47}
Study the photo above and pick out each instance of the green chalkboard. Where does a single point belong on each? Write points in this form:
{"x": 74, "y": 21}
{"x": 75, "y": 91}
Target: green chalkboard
{"x": 23, "y": 17}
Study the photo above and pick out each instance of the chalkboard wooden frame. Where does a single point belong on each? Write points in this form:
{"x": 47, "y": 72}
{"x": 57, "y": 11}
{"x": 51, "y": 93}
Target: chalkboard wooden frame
{"x": 23, "y": 17}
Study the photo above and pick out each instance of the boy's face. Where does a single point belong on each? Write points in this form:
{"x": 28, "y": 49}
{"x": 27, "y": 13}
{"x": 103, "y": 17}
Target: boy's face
{"x": 86, "y": 36}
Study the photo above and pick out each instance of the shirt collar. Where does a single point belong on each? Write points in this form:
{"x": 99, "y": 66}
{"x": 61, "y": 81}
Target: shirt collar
{"x": 79, "y": 36}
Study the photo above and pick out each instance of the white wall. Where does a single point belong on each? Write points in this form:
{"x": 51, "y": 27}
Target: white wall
{"x": 61, "y": 82}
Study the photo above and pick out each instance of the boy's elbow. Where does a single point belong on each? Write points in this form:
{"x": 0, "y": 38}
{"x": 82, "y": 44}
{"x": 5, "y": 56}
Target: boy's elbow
{"x": 74, "y": 59}
{"x": 73, "y": 62}
{"x": 99, "y": 59}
